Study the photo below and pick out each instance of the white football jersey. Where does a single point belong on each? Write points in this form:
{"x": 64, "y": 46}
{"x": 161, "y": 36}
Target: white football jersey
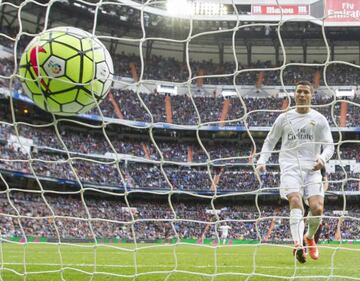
{"x": 224, "y": 229}
{"x": 302, "y": 137}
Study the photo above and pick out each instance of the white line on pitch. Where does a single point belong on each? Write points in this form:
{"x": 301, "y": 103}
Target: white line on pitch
{"x": 151, "y": 265}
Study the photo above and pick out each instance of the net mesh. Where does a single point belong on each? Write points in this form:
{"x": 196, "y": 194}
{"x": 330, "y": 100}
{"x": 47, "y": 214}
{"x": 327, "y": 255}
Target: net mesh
{"x": 106, "y": 171}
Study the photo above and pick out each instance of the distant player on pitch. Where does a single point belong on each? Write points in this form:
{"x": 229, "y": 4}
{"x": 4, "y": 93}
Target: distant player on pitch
{"x": 303, "y": 132}
{"x": 224, "y": 229}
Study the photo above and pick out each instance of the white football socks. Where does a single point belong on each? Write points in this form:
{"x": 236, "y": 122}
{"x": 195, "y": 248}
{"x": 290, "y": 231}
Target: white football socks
{"x": 297, "y": 226}
{"x": 313, "y": 225}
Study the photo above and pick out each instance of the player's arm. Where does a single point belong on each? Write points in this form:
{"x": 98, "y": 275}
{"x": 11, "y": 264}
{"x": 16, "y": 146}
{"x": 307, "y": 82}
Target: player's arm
{"x": 271, "y": 140}
{"x": 328, "y": 145}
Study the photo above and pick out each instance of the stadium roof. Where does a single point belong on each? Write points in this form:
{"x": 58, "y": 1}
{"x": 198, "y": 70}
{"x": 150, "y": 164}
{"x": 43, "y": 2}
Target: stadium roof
{"x": 119, "y": 20}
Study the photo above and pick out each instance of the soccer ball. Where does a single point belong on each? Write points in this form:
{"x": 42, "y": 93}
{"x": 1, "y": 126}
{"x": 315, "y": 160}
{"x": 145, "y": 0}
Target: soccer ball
{"x": 66, "y": 71}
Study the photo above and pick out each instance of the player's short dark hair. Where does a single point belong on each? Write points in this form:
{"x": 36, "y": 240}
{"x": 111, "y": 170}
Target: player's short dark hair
{"x": 305, "y": 83}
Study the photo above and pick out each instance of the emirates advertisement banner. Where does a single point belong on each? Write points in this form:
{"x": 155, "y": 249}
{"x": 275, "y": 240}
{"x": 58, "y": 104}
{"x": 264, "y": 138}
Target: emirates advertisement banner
{"x": 342, "y": 11}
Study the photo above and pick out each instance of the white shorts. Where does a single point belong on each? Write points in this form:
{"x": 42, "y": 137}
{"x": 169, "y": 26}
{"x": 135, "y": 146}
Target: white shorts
{"x": 307, "y": 182}
{"x": 224, "y": 235}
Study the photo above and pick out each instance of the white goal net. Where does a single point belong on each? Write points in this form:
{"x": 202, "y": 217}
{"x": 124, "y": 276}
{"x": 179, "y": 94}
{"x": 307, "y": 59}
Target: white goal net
{"x": 158, "y": 181}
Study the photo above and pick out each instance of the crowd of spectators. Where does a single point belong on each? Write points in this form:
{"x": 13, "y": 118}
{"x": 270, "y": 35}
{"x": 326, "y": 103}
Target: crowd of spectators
{"x": 184, "y": 109}
{"x": 183, "y": 166}
{"x": 141, "y": 175}
{"x": 74, "y": 216}
{"x": 260, "y": 111}
{"x": 95, "y": 143}
{"x": 81, "y": 156}
{"x": 169, "y": 69}
{"x": 98, "y": 142}
{"x": 157, "y": 67}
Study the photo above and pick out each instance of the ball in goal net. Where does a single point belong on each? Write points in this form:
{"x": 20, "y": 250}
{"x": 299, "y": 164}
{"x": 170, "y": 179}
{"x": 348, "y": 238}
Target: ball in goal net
{"x": 142, "y": 186}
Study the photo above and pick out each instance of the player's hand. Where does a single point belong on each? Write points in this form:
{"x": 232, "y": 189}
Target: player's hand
{"x": 318, "y": 165}
{"x": 260, "y": 168}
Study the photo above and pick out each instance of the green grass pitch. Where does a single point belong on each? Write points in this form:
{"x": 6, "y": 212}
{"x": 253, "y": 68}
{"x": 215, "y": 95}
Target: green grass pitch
{"x": 174, "y": 262}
